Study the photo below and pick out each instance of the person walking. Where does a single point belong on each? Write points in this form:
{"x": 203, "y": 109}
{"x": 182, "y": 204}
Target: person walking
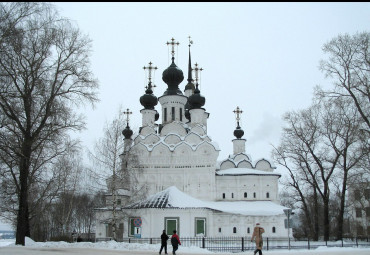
{"x": 164, "y": 238}
{"x": 175, "y": 241}
{"x": 257, "y": 235}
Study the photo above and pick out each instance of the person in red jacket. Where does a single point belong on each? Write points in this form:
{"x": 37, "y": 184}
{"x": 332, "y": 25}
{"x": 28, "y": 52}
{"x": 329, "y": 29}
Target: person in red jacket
{"x": 175, "y": 241}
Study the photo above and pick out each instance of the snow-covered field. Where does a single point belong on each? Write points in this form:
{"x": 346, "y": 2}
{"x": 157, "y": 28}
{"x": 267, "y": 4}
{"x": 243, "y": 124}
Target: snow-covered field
{"x": 7, "y": 247}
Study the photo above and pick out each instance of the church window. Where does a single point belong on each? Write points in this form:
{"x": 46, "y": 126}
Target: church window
{"x": 173, "y": 113}
{"x": 273, "y": 230}
{"x": 219, "y": 230}
{"x": 248, "y": 230}
{"x": 245, "y": 195}
{"x": 234, "y": 230}
{"x": 223, "y": 195}
{"x": 267, "y": 195}
{"x": 180, "y": 114}
{"x": 232, "y": 195}
{"x": 254, "y": 194}
{"x": 200, "y": 226}
{"x": 165, "y": 114}
{"x": 172, "y": 224}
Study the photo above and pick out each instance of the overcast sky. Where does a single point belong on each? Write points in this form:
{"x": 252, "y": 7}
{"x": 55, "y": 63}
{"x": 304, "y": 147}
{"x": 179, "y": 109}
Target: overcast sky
{"x": 262, "y": 57}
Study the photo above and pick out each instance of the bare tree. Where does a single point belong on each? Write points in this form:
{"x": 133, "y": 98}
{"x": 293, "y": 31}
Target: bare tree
{"x": 348, "y": 64}
{"x": 44, "y": 75}
{"x": 107, "y": 162}
{"x": 321, "y": 148}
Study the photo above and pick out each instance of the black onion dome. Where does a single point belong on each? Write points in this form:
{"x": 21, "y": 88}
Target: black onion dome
{"x": 196, "y": 100}
{"x": 127, "y": 132}
{"x": 173, "y": 76}
{"x": 238, "y": 132}
{"x": 148, "y": 100}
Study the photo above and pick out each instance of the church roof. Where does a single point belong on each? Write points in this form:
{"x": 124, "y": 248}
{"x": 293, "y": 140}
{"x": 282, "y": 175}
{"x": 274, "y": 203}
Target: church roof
{"x": 168, "y": 198}
{"x": 244, "y": 171}
{"x": 172, "y": 197}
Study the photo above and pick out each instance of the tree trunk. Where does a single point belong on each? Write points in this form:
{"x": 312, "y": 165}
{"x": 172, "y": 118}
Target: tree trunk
{"x": 326, "y": 219}
{"x": 342, "y": 206}
{"x": 316, "y": 216}
{"x": 23, "y": 224}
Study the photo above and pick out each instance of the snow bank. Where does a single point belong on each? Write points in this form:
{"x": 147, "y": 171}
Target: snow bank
{"x": 108, "y": 245}
{"x": 120, "y": 246}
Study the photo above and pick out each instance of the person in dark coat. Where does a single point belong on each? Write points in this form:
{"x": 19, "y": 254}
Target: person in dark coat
{"x": 164, "y": 238}
{"x": 175, "y": 241}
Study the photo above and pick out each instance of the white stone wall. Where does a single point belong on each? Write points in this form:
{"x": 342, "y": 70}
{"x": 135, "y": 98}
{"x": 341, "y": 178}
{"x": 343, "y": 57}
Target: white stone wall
{"x": 239, "y": 146}
{"x": 196, "y": 182}
{"x": 238, "y": 185}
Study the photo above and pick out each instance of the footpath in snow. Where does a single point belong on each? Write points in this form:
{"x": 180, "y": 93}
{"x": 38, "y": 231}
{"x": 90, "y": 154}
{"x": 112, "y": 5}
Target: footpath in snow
{"x": 8, "y": 247}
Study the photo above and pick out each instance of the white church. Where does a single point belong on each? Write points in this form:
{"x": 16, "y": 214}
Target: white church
{"x": 176, "y": 181}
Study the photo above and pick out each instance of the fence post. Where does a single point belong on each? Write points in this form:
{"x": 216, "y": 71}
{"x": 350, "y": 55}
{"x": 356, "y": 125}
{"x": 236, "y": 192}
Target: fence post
{"x": 151, "y": 240}
{"x": 129, "y": 240}
{"x": 267, "y": 241}
{"x": 356, "y": 242}
{"x": 203, "y": 242}
{"x": 342, "y": 242}
{"x": 308, "y": 241}
{"x": 242, "y": 243}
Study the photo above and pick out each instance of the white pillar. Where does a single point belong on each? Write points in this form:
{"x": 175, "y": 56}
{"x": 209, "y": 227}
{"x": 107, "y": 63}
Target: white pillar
{"x": 239, "y": 146}
{"x": 148, "y": 117}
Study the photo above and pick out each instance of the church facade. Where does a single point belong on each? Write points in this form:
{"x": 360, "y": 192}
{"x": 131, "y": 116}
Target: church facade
{"x": 177, "y": 181}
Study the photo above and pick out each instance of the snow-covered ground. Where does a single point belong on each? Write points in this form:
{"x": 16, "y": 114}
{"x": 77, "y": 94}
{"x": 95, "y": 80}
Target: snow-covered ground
{"x": 8, "y": 247}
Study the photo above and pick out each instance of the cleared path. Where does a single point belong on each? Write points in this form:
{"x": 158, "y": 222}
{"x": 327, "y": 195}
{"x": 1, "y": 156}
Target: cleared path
{"x": 87, "y": 251}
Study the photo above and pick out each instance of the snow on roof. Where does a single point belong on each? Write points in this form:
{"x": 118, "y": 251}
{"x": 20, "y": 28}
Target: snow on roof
{"x": 168, "y": 198}
{"x": 258, "y": 208}
{"x": 244, "y": 171}
{"x": 172, "y": 197}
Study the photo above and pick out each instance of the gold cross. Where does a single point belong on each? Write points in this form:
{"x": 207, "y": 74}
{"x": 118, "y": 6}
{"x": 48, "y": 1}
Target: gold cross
{"x": 173, "y": 43}
{"x": 127, "y": 112}
{"x": 238, "y": 112}
{"x": 197, "y": 72}
{"x": 150, "y": 68}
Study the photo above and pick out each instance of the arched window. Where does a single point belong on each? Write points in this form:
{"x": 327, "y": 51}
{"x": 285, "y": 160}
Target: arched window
{"x": 173, "y": 113}
{"x": 248, "y": 230}
{"x": 245, "y": 195}
{"x": 223, "y": 195}
{"x": 234, "y": 230}
{"x": 254, "y": 194}
{"x": 232, "y": 195}
{"x": 267, "y": 195}
{"x": 273, "y": 230}
{"x": 219, "y": 230}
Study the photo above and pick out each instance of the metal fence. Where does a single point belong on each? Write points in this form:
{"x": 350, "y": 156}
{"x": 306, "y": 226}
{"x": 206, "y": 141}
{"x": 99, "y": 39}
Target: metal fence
{"x": 237, "y": 244}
